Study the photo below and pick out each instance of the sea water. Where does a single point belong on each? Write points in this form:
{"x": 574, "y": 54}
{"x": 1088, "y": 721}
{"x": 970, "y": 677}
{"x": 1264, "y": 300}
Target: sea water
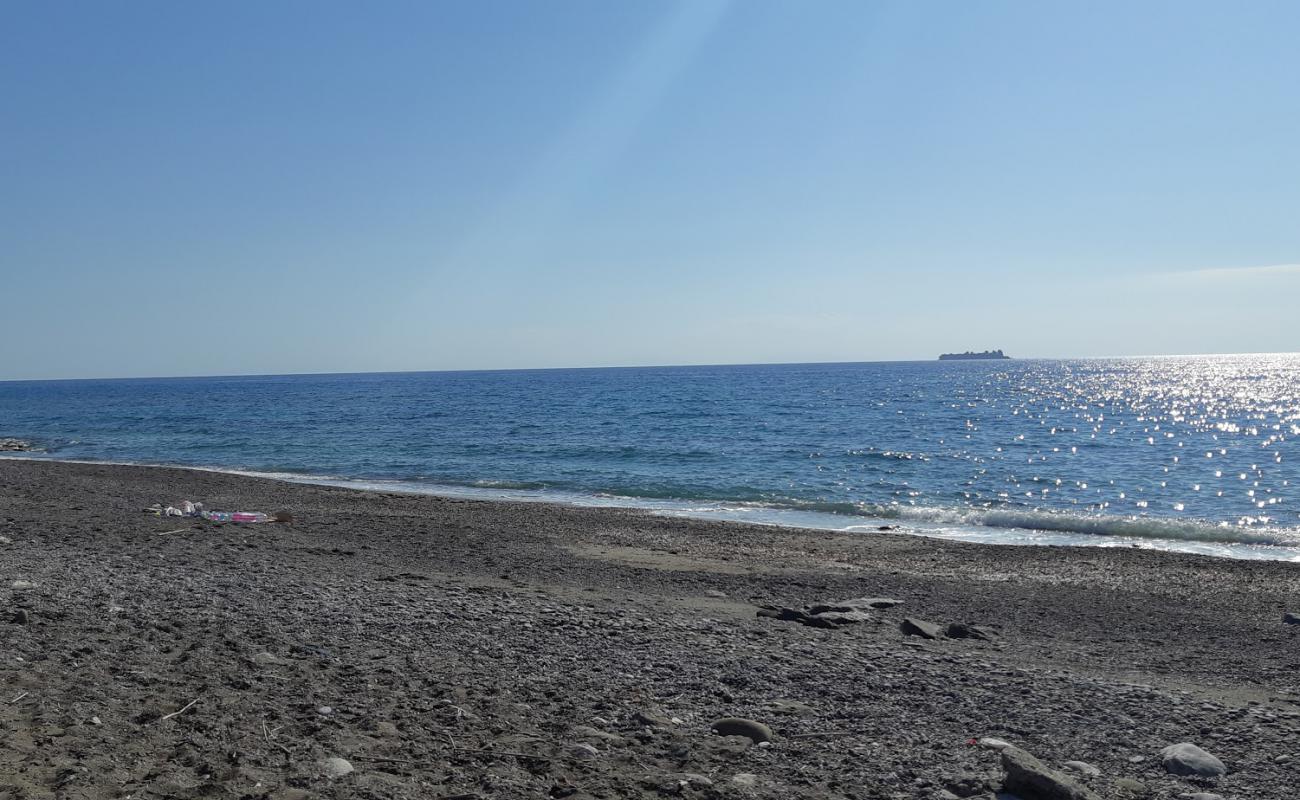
{"x": 1185, "y": 453}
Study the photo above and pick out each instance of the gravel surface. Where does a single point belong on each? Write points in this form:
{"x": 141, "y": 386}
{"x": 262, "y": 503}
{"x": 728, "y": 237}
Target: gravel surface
{"x": 405, "y": 646}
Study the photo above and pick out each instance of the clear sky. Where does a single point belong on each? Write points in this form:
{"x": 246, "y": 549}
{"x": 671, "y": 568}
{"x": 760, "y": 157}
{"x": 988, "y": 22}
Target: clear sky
{"x": 253, "y": 187}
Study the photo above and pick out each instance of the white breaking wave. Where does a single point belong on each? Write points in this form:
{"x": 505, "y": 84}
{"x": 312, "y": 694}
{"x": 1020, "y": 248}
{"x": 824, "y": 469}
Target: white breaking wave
{"x": 1101, "y": 525}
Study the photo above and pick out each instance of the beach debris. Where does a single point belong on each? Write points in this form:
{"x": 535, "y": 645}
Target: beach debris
{"x": 187, "y": 508}
{"x": 1030, "y": 779}
{"x": 738, "y": 726}
{"x": 911, "y": 626}
{"x": 1291, "y": 618}
{"x": 336, "y": 767}
{"x": 1186, "y": 758}
{"x": 184, "y": 509}
{"x": 22, "y": 584}
{"x": 180, "y": 711}
{"x": 14, "y": 446}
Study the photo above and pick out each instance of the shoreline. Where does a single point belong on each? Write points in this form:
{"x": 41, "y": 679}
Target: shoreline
{"x": 482, "y": 649}
{"x": 1086, "y": 531}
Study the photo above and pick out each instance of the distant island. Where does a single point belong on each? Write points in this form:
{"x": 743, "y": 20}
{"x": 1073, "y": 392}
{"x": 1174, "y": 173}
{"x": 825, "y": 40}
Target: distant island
{"x": 969, "y": 356}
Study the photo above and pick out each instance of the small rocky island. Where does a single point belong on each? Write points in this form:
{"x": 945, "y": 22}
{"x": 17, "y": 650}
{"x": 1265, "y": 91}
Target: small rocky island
{"x": 969, "y": 356}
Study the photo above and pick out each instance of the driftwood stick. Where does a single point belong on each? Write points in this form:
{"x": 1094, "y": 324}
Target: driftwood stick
{"x": 187, "y": 707}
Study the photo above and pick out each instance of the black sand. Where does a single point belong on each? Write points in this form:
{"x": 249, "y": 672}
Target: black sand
{"x": 498, "y": 650}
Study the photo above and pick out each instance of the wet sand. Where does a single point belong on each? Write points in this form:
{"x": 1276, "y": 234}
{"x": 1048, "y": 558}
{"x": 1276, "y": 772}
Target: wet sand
{"x": 448, "y": 648}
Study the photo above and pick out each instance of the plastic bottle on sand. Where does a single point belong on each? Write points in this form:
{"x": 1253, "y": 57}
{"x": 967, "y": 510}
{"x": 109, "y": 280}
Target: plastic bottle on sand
{"x": 235, "y": 516}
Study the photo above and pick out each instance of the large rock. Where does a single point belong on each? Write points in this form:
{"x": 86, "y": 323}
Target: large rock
{"x": 581, "y": 751}
{"x": 336, "y": 767}
{"x": 856, "y": 604}
{"x": 910, "y": 626}
{"x": 1188, "y": 759}
{"x": 967, "y": 630}
{"x": 843, "y": 617}
{"x": 735, "y": 726}
{"x": 1291, "y": 618}
{"x": 14, "y": 446}
{"x": 796, "y": 615}
{"x": 1031, "y": 779}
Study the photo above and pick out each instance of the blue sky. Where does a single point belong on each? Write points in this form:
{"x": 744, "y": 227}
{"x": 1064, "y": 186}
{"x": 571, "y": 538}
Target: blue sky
{"x": 217, "y": 188}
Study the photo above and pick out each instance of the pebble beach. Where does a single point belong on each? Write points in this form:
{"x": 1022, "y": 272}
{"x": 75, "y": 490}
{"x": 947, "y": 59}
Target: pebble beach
{"x": 388, "y": 645}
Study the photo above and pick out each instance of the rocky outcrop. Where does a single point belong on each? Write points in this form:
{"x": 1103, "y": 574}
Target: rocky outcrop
{"x": 911, "y": 626}
{"x": 1031, "y": 779}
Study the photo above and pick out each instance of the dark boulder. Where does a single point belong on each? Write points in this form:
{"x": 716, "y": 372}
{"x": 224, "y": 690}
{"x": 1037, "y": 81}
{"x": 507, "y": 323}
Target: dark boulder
{"x": 1031, "y": 779}
{"x": 910, "y": 626}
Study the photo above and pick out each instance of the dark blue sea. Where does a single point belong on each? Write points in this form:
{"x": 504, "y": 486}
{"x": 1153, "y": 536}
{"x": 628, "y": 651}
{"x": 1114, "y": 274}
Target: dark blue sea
{"x": 1194, "y": 453}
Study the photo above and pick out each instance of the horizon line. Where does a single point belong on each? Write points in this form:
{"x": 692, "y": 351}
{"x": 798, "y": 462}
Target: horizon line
{"x": 934, "y": 360}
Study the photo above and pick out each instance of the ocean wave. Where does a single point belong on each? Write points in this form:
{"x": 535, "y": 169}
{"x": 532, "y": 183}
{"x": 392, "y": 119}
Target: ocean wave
{"x": 744, "y": 500}
{"x": 1110, "y": 525}
{"x": 1102, "y": 525}
{"x": 502, "y": 484}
